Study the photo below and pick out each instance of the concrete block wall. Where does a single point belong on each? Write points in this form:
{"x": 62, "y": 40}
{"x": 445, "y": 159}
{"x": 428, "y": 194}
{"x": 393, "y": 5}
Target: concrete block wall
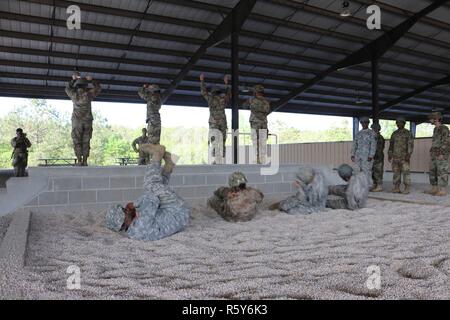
{"x": 94, "y": 188}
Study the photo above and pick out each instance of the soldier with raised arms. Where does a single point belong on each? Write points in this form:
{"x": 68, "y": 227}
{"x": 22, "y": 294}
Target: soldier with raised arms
{"x": 81, "y": 95}
{"x": 151, "y": 93}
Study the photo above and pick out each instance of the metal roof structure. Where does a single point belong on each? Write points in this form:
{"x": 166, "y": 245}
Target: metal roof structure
{"x": 294, "y": 47}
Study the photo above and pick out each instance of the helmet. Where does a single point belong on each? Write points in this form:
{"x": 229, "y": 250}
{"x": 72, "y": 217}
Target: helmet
{"x": 153, "y": 88}
{"x": 435, "y": 115}
{"x": 364, "y": 120}
{"x": 305, "y": 174}
{"x": 115, "y": 218}
{"x": 258, "y": 88}
{"x": 400, "y": 119}
{"x": 345, "y": 171}
{"x": 236, "y": 179}
{"x": 376, "y": 126}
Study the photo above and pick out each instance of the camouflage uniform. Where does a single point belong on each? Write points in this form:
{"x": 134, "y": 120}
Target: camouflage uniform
{"x": 236, "y": 205}
{"x": 217, "y": 120}
{"x": 311, "y": 196}
{"x": 82, "y": 116}
{"x": 260, "y": 109}
{"x": 439, "y": 147}
{"x": 20, "y": 155}
{"x": 153, "y": 99}
{"x": 144, "y": 158}
{"x": 364, "y": 146}
{"x": 161, "y": 212}
{"x": 378, "y": 161}
{"x": 401, "y": 147}
{"x": 352, "y": 196}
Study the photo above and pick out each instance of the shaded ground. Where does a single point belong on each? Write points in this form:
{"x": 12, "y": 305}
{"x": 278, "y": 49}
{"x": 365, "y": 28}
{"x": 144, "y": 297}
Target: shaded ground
{"x": 4, "y": 223}
{"x": 275, "y": 256}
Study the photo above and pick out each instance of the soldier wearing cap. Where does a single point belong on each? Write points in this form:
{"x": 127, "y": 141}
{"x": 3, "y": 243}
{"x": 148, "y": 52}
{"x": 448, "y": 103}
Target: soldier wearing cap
{"x": 151, "y": 93}
{"x": 439, "y": 153}
{"x": 20, "y": 144}
{"x": 82, "y": 96}
{"x": 364, "y": 148}
{"x": 218, "y": 127}
{"x": 143, "y": 157}
{"x": 311, "y": 196}
{"x": 237, "y": 202}
{"x": 401, "y": 146}
{"x": 259, "y": 110}
{"x": 378, "y": 160}
{"x": 351, "y": 196}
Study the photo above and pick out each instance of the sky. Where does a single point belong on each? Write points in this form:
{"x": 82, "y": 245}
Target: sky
{"x": 133, "y": 115}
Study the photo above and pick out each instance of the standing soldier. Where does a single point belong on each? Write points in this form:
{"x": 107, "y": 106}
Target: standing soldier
{"x": 152, "y": 95}
{"x": 144, "y": 158}
{"x": 260, "y": 109}
{"x": 364, "y": 147}
{"x": 81, "y": 96}
{"x": 439, "y": 157}
{"x": 401, "y": 147}
{"x": 20, "y": 143}
{"x": 378, "y": 160}
{"x": 217, "y": 118}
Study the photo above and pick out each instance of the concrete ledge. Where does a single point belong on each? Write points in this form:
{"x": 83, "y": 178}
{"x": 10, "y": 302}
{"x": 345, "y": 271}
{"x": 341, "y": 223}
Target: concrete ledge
{"x": 14, "y": 244}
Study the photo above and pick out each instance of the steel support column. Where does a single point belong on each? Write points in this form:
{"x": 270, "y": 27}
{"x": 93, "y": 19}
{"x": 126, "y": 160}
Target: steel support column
{"x": 375, "y": 91}
{"x": 412, "y": 128}
{"x": 235, "y": 89}
{"x": 355, "y": 127}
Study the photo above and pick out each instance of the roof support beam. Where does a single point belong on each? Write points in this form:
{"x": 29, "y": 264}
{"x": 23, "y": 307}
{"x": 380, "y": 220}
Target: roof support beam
{"x": 389, "y": 105}
{"x": 235, "y": 87}
{"x": 375, "y": 91}
{"x": 234, "y": 21}
{"x": 371, "y": 51}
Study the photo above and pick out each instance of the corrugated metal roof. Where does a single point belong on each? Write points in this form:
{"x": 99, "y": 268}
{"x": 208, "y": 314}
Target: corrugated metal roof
{"x": 283, "y": 44}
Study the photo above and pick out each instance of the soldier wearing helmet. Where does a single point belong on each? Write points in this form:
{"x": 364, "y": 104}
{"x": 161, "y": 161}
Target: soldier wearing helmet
{"x": 81, "y": 95}
{"x": 439, "y": 153}
{"x": 364, "y": 148}
{"x": 401, "y": 146}
{"x": 151, "y": 93}
{"x": 378, "y": 160}
{"x": 259, "y": 110}
{"x": 351, "y": 196}
{"x": 237, "y": 202}
{"x": 311, "y": 195}
{"x": 218, "y": 127}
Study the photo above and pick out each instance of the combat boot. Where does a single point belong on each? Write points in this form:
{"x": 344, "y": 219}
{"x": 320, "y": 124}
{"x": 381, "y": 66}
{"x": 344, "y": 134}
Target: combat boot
{"x": 168, "y": 163}
{"x": 378, "y": 188}
{"x": 407, "y": 190}
{"x": 433, "y": 191}
{"x": 442, "y": 192}
{"x": 396, "y": 189}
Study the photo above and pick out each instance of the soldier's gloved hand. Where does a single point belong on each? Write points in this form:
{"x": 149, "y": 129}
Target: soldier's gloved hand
{"x": 202, "y": 77}
{"x": 353, "y": 158}
{"x": 147, "y": 120}
{"x": 441, "y": 157}
{"x": 407, "y": 157}
{"x": 88, "y": 78}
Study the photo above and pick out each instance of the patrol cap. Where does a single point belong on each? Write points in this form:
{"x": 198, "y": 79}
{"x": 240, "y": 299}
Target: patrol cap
{"x": 153, "y": 88}
{"x": 305, "y": 174}
{"x": 400, "y": 119}
{"x": 376, "y": 126}
{"x": 258, "y": 88}
{"x": 236, "y": 179}
{"x": 364, "y": 120}
{"x": 115, "y": 218}
{"x": 345, "y": 171}
{"x": 435, "y": 115}
{"x": 215, "y": 90}
{"x": 81, "y": 83}
{"x": 77, "y": 74}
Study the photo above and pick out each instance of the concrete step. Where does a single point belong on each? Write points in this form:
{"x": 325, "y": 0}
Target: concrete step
{"x": 20, "y": 191}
